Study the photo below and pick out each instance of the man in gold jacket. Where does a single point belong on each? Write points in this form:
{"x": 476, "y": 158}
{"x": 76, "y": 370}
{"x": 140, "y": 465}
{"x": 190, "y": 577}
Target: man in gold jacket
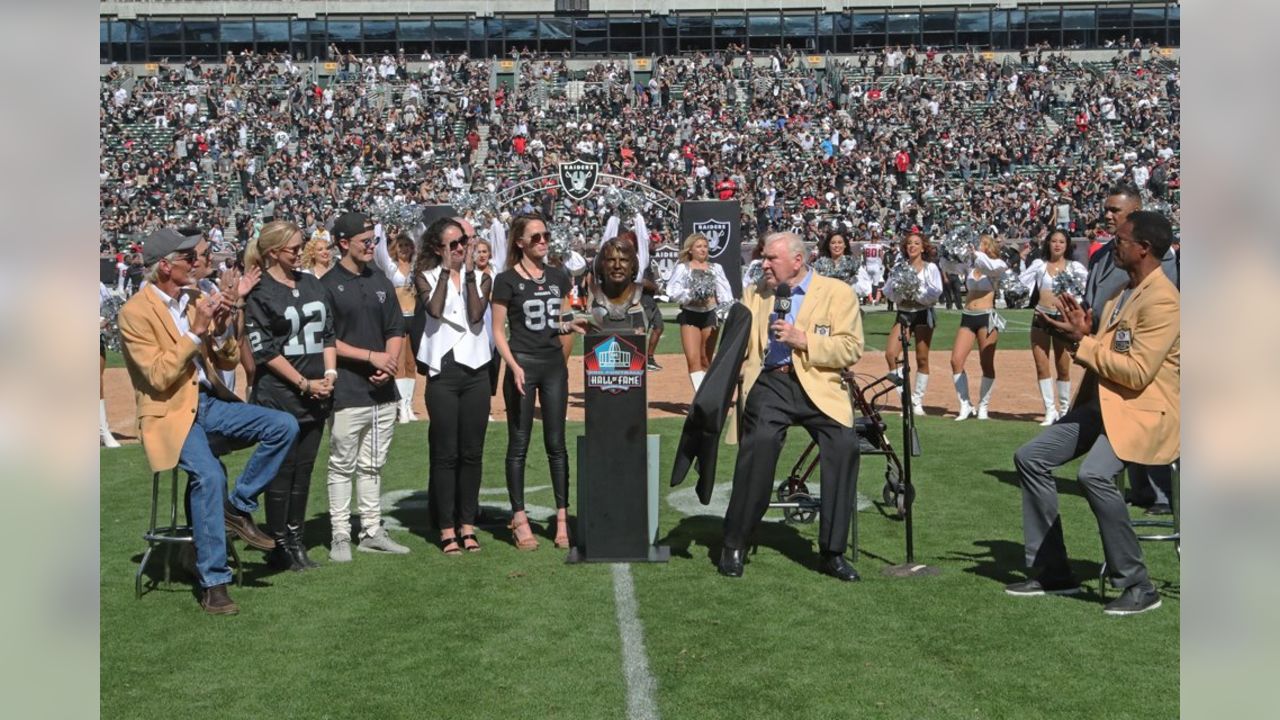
{"x": 1126, "y": 411}
{"x": 174, "y": 340}
{"x": 791, "y": 376}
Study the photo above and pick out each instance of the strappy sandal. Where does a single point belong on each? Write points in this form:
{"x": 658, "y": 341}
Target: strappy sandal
{"x": 470, "y": 537}
{"x": 529, "y": 543}
{"x": 562, "y": 534}
{"x": 449, "y": 546}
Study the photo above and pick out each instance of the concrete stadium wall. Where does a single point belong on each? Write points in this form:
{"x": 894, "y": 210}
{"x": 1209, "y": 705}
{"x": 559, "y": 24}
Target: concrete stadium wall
{"x": 310, "y": 8}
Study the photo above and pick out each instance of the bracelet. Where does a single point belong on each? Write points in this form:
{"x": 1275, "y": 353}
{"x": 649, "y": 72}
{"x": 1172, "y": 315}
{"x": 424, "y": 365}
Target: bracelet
{"x": 331, "y": 373}
{"x": 304, "y": 387}
{"x": 369, "y": 358}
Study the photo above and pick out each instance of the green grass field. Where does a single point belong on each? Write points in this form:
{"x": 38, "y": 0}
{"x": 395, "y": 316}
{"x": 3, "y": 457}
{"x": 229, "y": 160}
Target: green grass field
{"x": 509, "y": 634}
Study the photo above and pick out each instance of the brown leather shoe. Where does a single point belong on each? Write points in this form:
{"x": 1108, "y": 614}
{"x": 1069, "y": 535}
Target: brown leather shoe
{"x": 241, "y": 523}
{"x": 216, "y": 601}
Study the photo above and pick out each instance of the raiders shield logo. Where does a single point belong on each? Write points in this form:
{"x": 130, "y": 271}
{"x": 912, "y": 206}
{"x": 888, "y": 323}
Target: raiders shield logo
{"x": 555, "y": 290}
{"x": 822, "y": 330}
{"x": 382, "y": 295}
{"x": 717, "y": 232}
{"x": 578, "y": 178}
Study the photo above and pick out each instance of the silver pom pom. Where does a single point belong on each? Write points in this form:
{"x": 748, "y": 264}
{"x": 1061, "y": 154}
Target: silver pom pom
{"x": 702, "y": 285}
{"x": 109, "y": 309}
{"x": 1015, "y": 293}
{"x": 825, "y": 267}
{"x": 906, "y": 284}
{"x": 558, "y": 247}
{"x": 957, "y": 246}
{"x": 1069, "y": 282}
{"x": 754, "y": 272}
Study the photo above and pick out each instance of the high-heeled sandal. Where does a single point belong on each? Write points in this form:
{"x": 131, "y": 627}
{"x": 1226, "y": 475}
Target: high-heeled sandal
{"x": 470, "y": 537}
{"x": 529, "y": 543}
{"x": 449, "y": 546}
{"x": 562, "y": 534}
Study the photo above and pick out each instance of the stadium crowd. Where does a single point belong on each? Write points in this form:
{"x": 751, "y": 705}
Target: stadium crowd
{"x": 880, "y": 143}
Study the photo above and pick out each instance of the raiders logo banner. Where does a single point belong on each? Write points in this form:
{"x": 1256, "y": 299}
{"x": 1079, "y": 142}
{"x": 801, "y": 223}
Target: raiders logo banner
{"x": 719, "y": 221}
{"x": 578, "y": 178}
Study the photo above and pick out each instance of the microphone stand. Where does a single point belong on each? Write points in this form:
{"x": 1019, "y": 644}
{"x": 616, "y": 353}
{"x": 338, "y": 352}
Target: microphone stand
{"x": 910, "y": 447}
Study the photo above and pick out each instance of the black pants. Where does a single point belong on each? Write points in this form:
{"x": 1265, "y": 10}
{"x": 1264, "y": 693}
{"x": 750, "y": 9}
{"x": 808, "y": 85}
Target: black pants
{"x": 776, "y": 402}
{"x": 286, "y": 497}
{"x": 547, "y": 376}
{"x": 458, "y": 405}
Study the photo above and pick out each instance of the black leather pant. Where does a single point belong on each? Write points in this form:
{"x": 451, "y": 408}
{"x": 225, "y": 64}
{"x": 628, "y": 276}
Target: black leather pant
{"x": 547, "y": 376}
{"x": 286, "y": 497}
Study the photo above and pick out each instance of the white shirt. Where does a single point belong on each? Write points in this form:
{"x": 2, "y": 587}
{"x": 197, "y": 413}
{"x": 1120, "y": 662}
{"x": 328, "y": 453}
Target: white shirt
{"x": 472, "y": 345}
{"x": 178, "y": 311}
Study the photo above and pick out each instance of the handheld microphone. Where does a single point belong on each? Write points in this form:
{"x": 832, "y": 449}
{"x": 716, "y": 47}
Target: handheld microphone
{"x": 781, "y": 302}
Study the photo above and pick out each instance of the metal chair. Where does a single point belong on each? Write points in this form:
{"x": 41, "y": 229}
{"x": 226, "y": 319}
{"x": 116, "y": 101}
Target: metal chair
{"x": 1174, "y": 523}
{"x": 173, "y": 533}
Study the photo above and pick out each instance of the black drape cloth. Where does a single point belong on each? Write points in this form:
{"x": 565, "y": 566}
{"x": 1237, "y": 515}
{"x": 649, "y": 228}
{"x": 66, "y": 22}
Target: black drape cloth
{"x": 700, "y": 439}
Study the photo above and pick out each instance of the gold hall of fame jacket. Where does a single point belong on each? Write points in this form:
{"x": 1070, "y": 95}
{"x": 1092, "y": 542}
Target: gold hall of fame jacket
{"x": 1136, "y": 356}
{"x": 164, "y": 379}
{"x": 832, "y": 325}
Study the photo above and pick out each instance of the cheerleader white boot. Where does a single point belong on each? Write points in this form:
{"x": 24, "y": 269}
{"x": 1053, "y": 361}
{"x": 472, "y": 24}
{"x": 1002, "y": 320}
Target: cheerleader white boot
{"x": 917, "y": 397}
{"x": 961, "y": 380}
{"x": 404, "y": 412}
{"x": 1050, "y": 409}
{"x": 985, "y": 398}
{"x": 104, "y": 430}
{"x": 1064, "y": 397}
{"x": 696, "y": 377}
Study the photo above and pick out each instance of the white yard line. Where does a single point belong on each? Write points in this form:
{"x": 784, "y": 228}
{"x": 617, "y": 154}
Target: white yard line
{"x": 641, "y": 687}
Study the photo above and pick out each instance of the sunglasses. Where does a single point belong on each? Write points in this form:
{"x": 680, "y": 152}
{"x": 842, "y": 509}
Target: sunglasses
{"x": 460, "y": 242}
{"x": 541, "y": 237}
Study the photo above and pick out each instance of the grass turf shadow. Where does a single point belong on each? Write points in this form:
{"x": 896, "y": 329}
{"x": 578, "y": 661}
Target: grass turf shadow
{"x": 707, "y": 531}
{"x": 1004, "y": 562}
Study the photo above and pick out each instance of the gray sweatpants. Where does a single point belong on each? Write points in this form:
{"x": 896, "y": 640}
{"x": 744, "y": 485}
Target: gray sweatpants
{"x": 1079, "y": 432}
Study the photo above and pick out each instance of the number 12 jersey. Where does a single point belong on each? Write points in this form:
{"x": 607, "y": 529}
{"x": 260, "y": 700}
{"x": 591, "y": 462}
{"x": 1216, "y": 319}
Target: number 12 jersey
{"x": 298, "y": 324}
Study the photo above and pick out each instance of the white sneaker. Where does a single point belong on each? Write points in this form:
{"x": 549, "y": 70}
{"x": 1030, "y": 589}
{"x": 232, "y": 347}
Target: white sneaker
{"x": 340, "y": 549}
{"x": 1050, "y": 417}
{"x": 982, "y": 412}
{"x": 966, "y": 410}
{"x": 917, "y": 410}
{"x": 381, "y": 542}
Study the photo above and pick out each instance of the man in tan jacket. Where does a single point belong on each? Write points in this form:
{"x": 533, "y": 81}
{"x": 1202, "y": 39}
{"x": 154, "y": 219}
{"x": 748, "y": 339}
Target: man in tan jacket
{"x": 174, "y": 340}
{"x": 795, "y": 354}
{"x": 1126, "y": 411}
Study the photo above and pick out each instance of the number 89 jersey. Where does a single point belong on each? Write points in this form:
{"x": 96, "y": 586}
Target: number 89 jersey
{"x": 534, "y": 309}
{"x": 295, "y": 323}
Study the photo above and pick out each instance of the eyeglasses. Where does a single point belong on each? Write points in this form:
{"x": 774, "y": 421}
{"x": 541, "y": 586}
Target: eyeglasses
{"x": 367, "y": 242}
{"x": 541, "y": 237}
{"x": 291, "y": 249}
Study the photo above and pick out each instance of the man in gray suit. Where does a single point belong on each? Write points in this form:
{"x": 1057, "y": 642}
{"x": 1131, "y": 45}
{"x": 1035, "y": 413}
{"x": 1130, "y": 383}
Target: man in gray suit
{"x": 1152, "y": 486}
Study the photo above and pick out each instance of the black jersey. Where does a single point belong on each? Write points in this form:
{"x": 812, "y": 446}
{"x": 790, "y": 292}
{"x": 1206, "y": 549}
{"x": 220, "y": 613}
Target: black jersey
{"x": 296, "y": 323}
{"x": 365, "y": 314}
{"x": 534, "y": 310}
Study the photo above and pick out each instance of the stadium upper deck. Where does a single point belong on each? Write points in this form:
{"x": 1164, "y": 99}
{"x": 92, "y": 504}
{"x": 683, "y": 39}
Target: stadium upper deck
{"x": 147, "y": 30}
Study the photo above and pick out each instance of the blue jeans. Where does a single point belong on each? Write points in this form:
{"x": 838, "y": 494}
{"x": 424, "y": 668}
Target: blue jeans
{"x": 274, "y": 432}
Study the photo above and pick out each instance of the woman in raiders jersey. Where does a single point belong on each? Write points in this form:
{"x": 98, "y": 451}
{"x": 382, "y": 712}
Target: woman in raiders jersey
{"x": 289, "y": 327}
{"x": 454, "y": 352}
{"x": 532, "y": 299}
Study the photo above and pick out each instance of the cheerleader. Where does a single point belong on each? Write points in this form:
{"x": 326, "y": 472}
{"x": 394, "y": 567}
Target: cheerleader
{"x": 530, "y": 297}
{"x": 915, "y": 313}
{"x": 105, "y": 308}
{"x": 1055, "y": 258}
{"x": 397, "y": 264}
{"x": 834, "y": 260}
{"x": 482, "y": 259}
{"x": 317, "y": 255}
{"x": 978, "y": 321}
{"x": 454, "y": 350}
{"x": 700, "y": 287}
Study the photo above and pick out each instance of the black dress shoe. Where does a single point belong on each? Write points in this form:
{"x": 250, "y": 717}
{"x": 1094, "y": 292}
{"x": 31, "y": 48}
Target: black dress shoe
{"x": 731, "y": 562}
{"x": 837, "y": 567}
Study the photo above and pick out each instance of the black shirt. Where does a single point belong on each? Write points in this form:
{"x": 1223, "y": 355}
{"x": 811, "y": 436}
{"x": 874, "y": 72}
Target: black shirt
{"x": 298, "y": 324}
{"x": 534, "y": 310}
{"x": 365, "y": 315}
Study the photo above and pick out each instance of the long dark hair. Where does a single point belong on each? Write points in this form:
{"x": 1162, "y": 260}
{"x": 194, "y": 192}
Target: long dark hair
{"x": 1044, "y": 246}
{"x": 824, "y": 245}
{"x": 431, "y": 249}
{"x": 518, "y": 225}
